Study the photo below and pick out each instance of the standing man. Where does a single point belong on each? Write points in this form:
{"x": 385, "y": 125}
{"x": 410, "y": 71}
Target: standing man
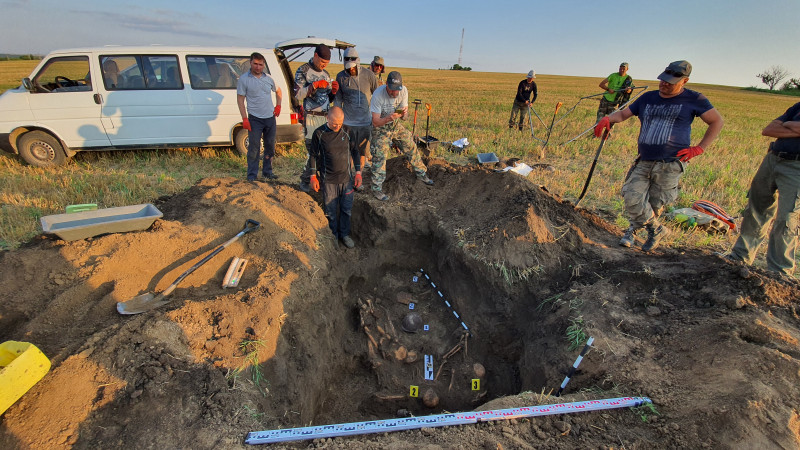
{"x": 664, "y": 147}
{"x": 256, "y": 87}
{"x": 618, "y": 91}
{"x": 338, "y": 155}
{"x": 314, "y": 88}
{"x": 779, "y": 172}
{"x": 523, "y": 101}
{"x": 390, "y": 104}
{"x": 377, "y": 67}
{"x": 356, "y": 86}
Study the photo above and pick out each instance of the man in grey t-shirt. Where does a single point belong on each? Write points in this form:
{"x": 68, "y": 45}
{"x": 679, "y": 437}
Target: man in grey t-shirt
{"x": 255, "y": 88}
{"x": 356, "y": 86}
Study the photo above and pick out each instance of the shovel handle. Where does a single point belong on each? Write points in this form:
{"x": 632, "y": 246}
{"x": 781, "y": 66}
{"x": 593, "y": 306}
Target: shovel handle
{"x": 558, "y": 106}
{"x": 428, "y": 107}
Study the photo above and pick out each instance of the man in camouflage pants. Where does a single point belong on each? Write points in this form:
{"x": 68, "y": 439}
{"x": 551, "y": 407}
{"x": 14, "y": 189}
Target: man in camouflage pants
{"x": 389, "y": 104}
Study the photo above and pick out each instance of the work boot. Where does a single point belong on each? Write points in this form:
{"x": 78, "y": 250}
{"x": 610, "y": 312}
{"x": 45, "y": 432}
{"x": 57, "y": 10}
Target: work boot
{"x": 380, "y": 195}
{"x": 654, "y": 236}
{"x": 426, "y": 180}
{"x": 348, "y": 242}
{"x": 629, "y": 237}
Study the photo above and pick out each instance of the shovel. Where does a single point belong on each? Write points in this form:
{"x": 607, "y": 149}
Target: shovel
{"x": 148, "y": 301}
{"x": 591, "y": 170}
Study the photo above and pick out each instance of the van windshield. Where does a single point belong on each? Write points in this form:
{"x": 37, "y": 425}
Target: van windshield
{"x": 64, "y": 74}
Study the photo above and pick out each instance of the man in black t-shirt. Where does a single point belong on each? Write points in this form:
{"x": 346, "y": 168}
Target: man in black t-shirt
{"x": 779, "y": 174}
{"x": 338, "y": 157}
{"x": 522, "y": 101}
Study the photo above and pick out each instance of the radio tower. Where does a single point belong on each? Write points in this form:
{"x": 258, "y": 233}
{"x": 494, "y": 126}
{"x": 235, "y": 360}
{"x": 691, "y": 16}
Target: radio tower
{"x": 461, "y": 50}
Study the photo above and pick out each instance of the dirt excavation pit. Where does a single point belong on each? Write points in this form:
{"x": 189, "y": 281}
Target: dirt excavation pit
{"x": 518, "y": 280}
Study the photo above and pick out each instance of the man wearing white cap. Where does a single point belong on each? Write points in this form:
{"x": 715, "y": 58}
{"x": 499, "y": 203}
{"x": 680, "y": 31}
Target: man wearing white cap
{"x": 356, "y": 85}
{"x": 523, "y": 100}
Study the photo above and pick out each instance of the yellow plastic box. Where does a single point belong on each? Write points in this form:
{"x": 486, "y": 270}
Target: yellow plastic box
{"x": 21, "y": 366}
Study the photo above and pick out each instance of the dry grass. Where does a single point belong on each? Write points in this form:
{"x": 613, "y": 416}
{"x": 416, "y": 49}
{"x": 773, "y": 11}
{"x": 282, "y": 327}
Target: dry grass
{"x": 465, "y": 104}
{"x": 12, "y": 73}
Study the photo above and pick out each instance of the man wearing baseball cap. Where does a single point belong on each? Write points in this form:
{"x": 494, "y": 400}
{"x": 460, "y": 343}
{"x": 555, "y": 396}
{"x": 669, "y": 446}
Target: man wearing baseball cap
{"x": 315, "y": 89}
{"x": 390, "y": 104}
{"x": 618, "y": 91}
{"x": 356, "y": 85}
{"x": 378, "y": 67}
{"x": 665, "y": 147}
{"x": 522, "y": 101}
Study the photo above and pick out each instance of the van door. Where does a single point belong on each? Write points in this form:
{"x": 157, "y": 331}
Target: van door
{"x": 63, "y": 100}
{"x": 213, "y": 79}
{"x": 146, "y": 104}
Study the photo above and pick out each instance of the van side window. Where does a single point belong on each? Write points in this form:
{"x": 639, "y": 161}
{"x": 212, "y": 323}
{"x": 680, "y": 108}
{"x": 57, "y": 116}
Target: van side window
{"x": 217, "y": 72}
{"x": 136, "y": 72}
{"x": 64, "y": 74}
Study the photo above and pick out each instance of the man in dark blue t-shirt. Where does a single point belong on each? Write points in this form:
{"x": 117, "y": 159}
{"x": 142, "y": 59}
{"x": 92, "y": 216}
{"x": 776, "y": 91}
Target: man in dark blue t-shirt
{"x": 664, "y": 146}
{"x": 338, "y": 157}
{"x": 779, "y": 172}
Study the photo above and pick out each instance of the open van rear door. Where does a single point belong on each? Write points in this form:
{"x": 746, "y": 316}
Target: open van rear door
{"x": 292, "y": 49}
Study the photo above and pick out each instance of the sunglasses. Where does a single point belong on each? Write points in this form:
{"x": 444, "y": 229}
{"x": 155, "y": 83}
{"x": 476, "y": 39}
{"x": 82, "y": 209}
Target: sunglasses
{"x": 674, "y": 73}
{"x": 350, "y": 58}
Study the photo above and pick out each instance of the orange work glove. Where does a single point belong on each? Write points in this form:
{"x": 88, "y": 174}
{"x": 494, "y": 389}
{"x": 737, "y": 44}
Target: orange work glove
{"x": 320, "y": 84}
{"x": 277, "y": 111}
{"x": 357, "y": 180}
{"x": 314, "y": 183}
{"x": 334, "y": 87}
{"x": 246, "y": 124}
{"x": 604, "y": 124}
{"x": 689, "y": 153}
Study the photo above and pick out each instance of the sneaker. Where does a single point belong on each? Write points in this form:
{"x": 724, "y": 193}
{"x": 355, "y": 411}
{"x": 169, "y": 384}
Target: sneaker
{"x": 426, "y": 180}
{"x": 380, "y": 195}
{"x": 628, "y": 238}
{"x": 348, "y": 242}
{"x": 305, "y": 187}
{"x": 654, "y": 236}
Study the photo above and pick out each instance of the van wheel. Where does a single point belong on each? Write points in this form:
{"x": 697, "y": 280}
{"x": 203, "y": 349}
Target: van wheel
{"x": 240, "y": 141}
{"x": 40, "y": 149}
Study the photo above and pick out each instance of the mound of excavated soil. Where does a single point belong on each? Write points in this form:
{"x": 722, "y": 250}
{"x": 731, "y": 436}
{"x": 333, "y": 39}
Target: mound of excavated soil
{"x": 313, "y": 333}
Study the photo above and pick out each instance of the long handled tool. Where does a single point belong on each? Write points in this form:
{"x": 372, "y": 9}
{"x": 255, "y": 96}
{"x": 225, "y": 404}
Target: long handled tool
{"x": 531, "y": 122}
{"x": 148, "y": 301}
{"x": 591, "y": 170}
{"x": 417, "y": 102}
{"x": 550, "y": 130}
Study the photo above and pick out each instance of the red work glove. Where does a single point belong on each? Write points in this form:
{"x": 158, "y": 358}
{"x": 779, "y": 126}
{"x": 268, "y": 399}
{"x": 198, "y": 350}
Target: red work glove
{"x": 604, "y": 124}
{"x": 334, "y": 87}
{"x": 277, "y": 111}
{"x": 357, "y": 180}
{"x": 320, "y": 84}
{"x": 314, "y": 183}
{"x": 246, "y": 124}
{"x": 689, "y": 153}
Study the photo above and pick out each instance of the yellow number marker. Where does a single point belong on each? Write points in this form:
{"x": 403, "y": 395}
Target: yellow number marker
{"x": 414, "y": 391}
{"x": 476, "y": 384}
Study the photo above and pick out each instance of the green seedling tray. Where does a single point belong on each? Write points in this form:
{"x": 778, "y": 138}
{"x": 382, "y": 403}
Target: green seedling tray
{"x": 80, "y": 208}
{"x": 81, "y": 225}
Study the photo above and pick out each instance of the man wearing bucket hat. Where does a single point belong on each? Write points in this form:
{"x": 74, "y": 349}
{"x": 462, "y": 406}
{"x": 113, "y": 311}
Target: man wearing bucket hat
{"x": 315, "y": 89}
{"x": 377, "y": 67}
{"x": 665, "y": 146}
{"x": 390, "y": 104}
{"x": 523, "y": 101}
{"x": 617, "y": 87}
{"x": 356, "y": 85}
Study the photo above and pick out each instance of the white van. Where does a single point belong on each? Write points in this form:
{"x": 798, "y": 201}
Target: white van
{"x": 115, "y": 98}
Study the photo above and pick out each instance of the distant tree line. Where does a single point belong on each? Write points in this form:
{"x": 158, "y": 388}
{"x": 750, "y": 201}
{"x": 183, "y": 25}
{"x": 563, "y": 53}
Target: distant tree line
{"x": 773, "y": 76}
{"x": 28, "y": 57}
{"x": 460, "y": 67}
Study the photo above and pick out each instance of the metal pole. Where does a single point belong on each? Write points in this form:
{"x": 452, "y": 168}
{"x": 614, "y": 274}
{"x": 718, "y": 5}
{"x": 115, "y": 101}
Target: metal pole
{"x": 575, "y": 366}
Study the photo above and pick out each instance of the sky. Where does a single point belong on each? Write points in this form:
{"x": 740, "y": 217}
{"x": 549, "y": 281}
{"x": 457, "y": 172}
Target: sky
{"x": 727, "y": 42}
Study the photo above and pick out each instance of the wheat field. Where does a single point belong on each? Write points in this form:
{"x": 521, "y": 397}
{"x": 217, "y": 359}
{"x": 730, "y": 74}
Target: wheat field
{"x": 475, "y": 105}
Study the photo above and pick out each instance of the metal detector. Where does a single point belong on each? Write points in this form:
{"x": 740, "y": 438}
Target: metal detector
{"x": 622, "y": 106}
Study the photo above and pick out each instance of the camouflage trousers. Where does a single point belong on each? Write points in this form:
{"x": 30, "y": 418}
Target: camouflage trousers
{"x": 781, "y": 176}
{"x": 650, "y": 186}
{"x": 381, "y": 142}
{"x": 606, "y": 108}
{"x": 522, "y": 110}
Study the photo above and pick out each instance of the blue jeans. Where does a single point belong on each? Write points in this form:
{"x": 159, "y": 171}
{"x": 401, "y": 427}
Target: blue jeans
{"x": 338, "y": 201}
{"x": 265, "y": 128}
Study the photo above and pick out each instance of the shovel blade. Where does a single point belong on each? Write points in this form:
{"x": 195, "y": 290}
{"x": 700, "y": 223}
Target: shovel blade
{"x": 140, "y": 304}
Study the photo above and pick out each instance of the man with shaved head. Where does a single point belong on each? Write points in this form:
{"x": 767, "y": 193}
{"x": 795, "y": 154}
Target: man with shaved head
{"x": 338, "y": 163}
